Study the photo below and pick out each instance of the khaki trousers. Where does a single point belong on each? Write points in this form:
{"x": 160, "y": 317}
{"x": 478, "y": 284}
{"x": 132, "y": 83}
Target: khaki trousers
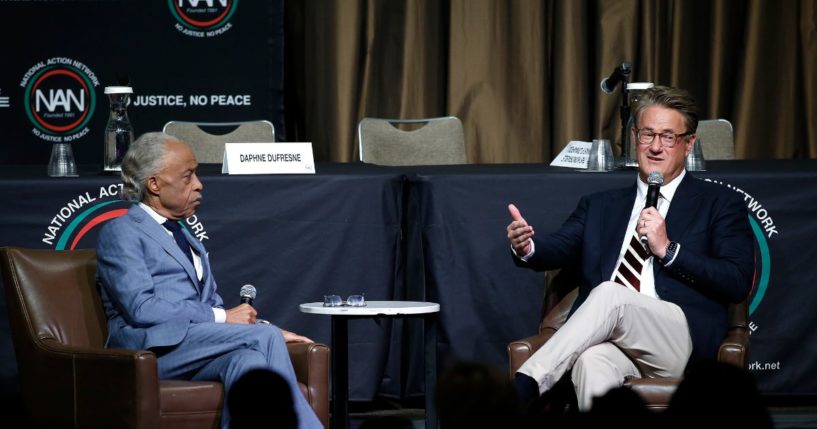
{"x": 615, "y": 333}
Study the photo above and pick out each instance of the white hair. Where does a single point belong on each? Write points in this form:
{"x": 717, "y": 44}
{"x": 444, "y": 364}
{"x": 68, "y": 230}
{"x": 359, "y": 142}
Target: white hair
{"x": 144, "y": 158}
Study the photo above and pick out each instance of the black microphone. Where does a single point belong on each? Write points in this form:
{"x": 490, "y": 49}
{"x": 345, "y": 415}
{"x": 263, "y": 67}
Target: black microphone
{"x": 247, "y": 294}
{"x": 654, "y": 182}
{"x": 608, "y": 84}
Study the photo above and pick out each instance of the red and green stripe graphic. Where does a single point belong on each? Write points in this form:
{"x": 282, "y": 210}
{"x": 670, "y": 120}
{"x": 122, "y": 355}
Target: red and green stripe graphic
{"x": 761, "y": 281}
{"x": 96, "y": 218}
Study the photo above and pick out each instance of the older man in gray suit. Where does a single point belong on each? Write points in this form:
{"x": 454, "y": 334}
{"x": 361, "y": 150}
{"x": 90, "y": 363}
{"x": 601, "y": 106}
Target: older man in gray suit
{"x": 159, "y": 293}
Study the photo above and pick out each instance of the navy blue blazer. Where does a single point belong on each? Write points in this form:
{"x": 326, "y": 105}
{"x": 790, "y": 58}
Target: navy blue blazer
{"x": 714, "y": 267}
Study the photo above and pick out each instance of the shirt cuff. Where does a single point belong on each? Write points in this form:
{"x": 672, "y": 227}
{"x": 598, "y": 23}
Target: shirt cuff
{"x": 220, "y": 315}
{"x": 528, "y": 256}
{"x": 677, "y": 250}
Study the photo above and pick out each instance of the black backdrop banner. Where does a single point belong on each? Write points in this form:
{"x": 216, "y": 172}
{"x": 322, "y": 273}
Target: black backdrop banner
{"x": 428, "y": 233}
{"x": 196, "y": 60}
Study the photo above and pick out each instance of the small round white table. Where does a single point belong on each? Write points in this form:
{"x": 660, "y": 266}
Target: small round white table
{"x": 340, "y": 348}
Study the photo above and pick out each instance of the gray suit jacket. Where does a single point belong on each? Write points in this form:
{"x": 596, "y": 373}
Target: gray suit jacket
{"x": 149, "y": 289}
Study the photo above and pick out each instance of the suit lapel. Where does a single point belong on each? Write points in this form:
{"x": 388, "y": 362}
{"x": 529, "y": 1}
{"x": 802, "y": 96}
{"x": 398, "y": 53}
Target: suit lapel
{"x": 202, "y": 252}
{"x": 620, "y": 205}
{"x": 165, "y": 240}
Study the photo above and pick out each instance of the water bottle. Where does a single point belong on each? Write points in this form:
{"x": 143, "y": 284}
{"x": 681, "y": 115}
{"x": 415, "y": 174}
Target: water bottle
{"x": 118, "y": 131}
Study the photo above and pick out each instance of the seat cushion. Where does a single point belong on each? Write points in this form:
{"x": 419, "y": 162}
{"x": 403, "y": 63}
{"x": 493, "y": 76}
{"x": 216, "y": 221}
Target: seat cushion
{"x": 656, "y": 392}
{"x": 190, "y": 403}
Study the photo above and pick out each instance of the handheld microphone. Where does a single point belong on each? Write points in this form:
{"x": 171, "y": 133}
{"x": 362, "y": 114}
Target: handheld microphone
{"x": 608, "y": 84}
{"x": 247, "y": 294}
{"x": 654, "y": 182}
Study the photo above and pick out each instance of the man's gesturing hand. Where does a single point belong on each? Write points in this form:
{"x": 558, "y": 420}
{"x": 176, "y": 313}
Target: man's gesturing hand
{"x": 519, "y": 232}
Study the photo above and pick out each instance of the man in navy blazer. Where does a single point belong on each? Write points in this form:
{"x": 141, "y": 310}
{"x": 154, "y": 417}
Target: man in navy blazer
{"x": 158, "y": 290}
{"x": 642, "y": 310}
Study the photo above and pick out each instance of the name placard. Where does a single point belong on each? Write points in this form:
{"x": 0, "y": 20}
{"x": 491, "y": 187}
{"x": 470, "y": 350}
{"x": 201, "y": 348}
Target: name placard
{"x": 574, "y": 155}
{"x": 268, "y": 158}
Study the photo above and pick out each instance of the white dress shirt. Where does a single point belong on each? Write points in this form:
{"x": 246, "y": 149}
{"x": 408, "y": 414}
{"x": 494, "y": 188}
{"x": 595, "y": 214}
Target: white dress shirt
{"x": 664, "y": 200}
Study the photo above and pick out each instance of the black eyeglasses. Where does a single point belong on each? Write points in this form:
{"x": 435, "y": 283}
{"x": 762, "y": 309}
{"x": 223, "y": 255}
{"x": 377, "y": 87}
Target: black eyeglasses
{"x": 337, "y": 301}
{"x": 646, "y": 136}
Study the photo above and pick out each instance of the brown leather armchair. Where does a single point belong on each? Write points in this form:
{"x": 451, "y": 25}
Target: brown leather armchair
{"x": 67, "y": 377}
{"x": 656, "y": 392}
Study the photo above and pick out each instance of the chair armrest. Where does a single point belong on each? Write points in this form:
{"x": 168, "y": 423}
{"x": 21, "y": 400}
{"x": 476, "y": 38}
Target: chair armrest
{"x": 656, "y": 392}
{"x": 309, "y": 357}
{"x": 519, "y": 351}
{"x": 734, "y": 349}
{"x": 311, "y": 364}
{"x": 109, "y": 387}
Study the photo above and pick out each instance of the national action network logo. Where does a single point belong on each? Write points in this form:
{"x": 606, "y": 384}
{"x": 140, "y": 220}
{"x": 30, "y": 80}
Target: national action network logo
{"x": 76, "y": 224}
{"x": 202, "y": 18}
{"x": 764, "y": 229}
{"x": 60, "y": 98}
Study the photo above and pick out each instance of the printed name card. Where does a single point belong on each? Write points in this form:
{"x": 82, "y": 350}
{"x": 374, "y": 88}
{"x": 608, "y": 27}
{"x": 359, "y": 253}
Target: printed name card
{"x": 268, "y": 158}
{"x": 574, "y": 155}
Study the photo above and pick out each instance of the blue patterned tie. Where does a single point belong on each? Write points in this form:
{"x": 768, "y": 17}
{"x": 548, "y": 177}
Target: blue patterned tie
{"x": 174, "y": 227}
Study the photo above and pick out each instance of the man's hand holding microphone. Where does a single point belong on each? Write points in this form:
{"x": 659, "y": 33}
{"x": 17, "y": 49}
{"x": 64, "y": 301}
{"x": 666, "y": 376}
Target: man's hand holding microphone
{"x": 244, "y": 313}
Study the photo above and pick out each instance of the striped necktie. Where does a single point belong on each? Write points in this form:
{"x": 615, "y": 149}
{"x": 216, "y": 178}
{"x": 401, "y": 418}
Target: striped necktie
{"x": 628, "y": 272}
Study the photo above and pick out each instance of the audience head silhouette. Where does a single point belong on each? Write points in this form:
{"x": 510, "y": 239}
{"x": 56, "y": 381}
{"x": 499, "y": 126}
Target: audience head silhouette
{"x": 256, "y": 396}
{"x": 717, "y": 394}
{"x": 475, "y": 395}
{"x": 619, "y": 405}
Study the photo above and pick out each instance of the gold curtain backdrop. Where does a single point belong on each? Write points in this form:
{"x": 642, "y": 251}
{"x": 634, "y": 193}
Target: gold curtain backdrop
{"x": 523, "y": 75}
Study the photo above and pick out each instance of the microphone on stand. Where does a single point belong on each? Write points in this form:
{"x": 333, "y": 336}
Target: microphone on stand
{"x": 621, "y": 73}
{"x": 654, "y": 182}
{"x": 247, "y": 294}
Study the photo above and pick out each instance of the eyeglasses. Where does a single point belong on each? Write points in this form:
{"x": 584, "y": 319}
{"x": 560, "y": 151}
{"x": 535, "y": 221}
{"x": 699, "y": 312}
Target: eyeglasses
{"x": 646, "y": 136}
{"x": 337, "y": 301}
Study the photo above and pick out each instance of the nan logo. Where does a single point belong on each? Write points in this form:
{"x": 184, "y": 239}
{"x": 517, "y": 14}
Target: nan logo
{"x": 60, "y": 98}
{"x": 202, "y": 18}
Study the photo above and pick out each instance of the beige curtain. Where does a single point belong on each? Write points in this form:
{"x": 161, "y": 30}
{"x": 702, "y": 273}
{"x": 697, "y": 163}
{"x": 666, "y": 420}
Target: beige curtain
{"x": 523, "y": 75}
